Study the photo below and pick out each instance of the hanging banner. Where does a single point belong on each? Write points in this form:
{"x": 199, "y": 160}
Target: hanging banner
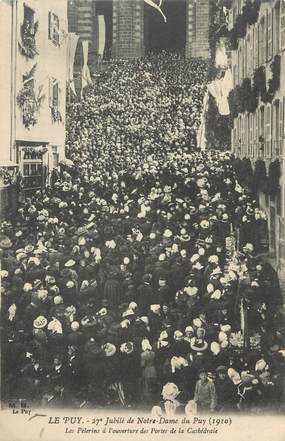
{"x": 154, "y": 5}
{"x": 71, "y": 49}
{"x": 85, "y": 76}
{"x": 101, "y": 35}
{"x": 220, "y": 90}
{"x": 201, "y": 134}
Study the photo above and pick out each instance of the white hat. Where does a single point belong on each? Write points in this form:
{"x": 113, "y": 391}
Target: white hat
{"x": 194, "y": 258}
{"x": 70, "y": 263}
{"x": 189, "y": 329}
{"x": 152, "y": 236}
{"x": 55, "y": 326}
{"x": 234, "y": 376}
{"x": 216, "y": 295}
{"x": 170, "y": 391}
{"x": 213, "y": 259}
{"x": 40, "y": 322}
{"x": 191, "y": 290}
{"x": 167, "y": 233}
{"x": 222, "y": 336}
{"x": 57, "y": 300}
{"x": 81, "y": 241}
{"x": 210, "y": 288}
{"x": 177, "y": 363}
{"x": 69, "y": 284}
{"x": 163, "y": 335}
{"x": 215, "y": 348}
{"x": 224, "y": 344}
{"x": 146, "y": 346}
{"x": 126, "y": 261}
{"x": 197, "y": 323}
{"x": 226, "y": 328}
{"x": 74, "y": 326}
{"x": 178, "y": 335}
{"x": 201, "y": 251}
{"x": 162, "y": 257}
{"x": 27, "y": 287}
{"x": 125, "y": 324}
{"x": 133, "y": 306}
{"x": 102, "y": 312}
{"x": 145, "y": 320}
{"x": 261, "y": 365}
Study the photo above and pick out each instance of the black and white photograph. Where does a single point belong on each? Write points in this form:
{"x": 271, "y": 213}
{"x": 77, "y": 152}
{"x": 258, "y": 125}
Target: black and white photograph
{"x": 142, "y": 217}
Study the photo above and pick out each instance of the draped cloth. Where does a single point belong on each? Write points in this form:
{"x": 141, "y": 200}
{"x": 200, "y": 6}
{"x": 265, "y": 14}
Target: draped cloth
{"x": 201, "y": 134}
{"x": 71, "y": 49}
{"x": 85, "y": 75}
{"x": 157, "y": 7}
{"x": 220, "y": 90}
{"x": 101, "y": 35}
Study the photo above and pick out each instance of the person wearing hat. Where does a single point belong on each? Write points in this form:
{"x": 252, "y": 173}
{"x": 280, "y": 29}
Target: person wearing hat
{"x": 130, "y": 372}
{"x": 180, "y": 347}
{"x": 149, "y": 373}
{"x": 33, "y": 378}
{"x": 144, "y": 297}
{"x": 74, "y": 372}
{"x": 205, "y": 393}
{"x": 225, "y": 391}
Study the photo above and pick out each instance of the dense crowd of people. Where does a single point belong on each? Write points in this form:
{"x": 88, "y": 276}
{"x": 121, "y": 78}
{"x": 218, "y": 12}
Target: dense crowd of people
{"x": 124, "y": 281}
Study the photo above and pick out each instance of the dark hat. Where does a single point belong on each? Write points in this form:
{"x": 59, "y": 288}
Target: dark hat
{"x": 93, "y": 348}
{"x": 222, "y": 369}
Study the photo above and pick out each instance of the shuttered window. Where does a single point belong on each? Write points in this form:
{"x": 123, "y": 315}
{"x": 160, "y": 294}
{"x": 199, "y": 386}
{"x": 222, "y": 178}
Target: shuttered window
{"x": 268, "y": 140}
{"x": 255, "y": 47}
{"x": 282, "y": 24}
{"x": 269, "y": 35}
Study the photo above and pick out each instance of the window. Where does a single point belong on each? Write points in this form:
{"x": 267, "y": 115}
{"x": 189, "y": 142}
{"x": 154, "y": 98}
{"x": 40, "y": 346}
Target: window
{"x": 276, "y": 28}
{"x": 262, "y": 41}
{"x": 55, "y": 157}
{"x": 268, "y": 145}
{"x": 282, "y": 25}
{"x": 255, "y": 134}
{"x": 54, "y": 28}
{"x": 250, "y": 137}
{"x": 255, "y": 47}
{"x": 269, "y": 36}
{"x": 54, "y": 93}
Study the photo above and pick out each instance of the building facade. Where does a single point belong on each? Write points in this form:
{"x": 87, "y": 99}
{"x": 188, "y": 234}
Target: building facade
{"x": 33, "y": 90}
{"x": 126, "y": 26}
{"x": 258, "y": 68}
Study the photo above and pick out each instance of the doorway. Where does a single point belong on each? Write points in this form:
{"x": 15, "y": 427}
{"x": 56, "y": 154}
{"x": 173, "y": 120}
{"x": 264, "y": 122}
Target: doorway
{"x": 171, "y": 35}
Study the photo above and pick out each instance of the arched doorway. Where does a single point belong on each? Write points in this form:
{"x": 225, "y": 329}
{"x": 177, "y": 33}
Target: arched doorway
{"x": 171, "y": 35}
{"x": 105, "y": 7}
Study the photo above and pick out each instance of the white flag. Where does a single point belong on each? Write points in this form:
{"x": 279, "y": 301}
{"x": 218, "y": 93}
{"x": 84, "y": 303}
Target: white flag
{"x": 101, "y": 34}
{"x": 71, "y": 49}
{"x": 154, "y": 5}
{"x": 85, "y": 75}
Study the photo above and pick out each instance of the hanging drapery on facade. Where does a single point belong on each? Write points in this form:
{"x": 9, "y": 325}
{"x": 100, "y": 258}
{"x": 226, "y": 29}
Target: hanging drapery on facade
{"x": 85, "y": 75}
{"x": 154, "y": 5}
{"x": 101, "y": 35}
{"x": 220, "y": 90}
{"x": 71, "y": 49}
{"x": 201, "y": 134}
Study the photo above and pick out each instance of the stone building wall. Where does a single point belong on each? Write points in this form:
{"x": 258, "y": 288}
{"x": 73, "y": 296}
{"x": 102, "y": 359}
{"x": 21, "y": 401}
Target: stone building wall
{"x": 128, "y": 29}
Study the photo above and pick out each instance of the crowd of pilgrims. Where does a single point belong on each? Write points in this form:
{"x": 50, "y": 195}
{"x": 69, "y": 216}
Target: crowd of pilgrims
{"x": 124, "y": 283}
